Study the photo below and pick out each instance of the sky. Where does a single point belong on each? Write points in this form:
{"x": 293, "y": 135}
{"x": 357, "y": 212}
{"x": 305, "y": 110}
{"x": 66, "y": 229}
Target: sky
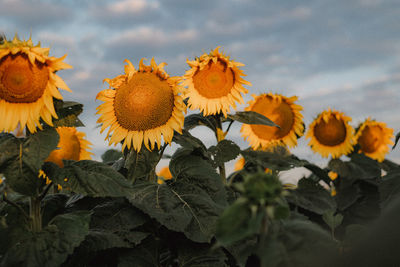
{"x": 342, "y": 54}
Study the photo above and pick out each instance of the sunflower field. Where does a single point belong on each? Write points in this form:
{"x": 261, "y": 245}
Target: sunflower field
{"x": 59, "y": 207}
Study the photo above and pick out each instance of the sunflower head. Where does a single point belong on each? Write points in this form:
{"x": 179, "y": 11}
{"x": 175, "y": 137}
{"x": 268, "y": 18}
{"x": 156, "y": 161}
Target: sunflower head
{"x": 141, "y": 105}
{"x": 165, "y": 174}
{"x": 374, "y": 139}
{"x": 333, "y": 175}
{"x": 331, "y": 134}
{"x": 281, "y": 110}
{"x": 28, "y": 84}
{"x": 214, "y": 83}
{"x": 71, "y": 146}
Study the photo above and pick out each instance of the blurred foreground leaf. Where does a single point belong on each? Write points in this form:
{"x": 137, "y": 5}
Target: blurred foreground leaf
{"x": 51, "y": 246}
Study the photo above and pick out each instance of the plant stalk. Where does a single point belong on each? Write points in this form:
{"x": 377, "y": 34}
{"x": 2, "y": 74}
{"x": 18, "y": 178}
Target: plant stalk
{"x": 35, "y": 214}
{"x": 220, "y": 136}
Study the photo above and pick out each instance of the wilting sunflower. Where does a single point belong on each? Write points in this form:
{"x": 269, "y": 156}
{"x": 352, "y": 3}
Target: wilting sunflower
{"x": 143, "y": 105}
{"x": 214, "y": 83}
{"x": 165, "y": 174}
{"x": 28, "y": 84}
{"x": 374, "y": 139}
{"x": 71, "y": 146}
{"x": 282, "y": 111}
{"x": 331, "y": 134}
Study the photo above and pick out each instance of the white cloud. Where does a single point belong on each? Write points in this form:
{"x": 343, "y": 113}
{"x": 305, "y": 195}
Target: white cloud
{"x": 153, "y": 36}
{"x": 132, "y": 6}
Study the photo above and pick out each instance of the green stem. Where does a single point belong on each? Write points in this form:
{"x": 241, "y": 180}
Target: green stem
{"x": 220, "y": 137}
{"x": 35, "y": 214}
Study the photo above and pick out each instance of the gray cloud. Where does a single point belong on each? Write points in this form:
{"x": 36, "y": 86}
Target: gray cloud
{"x": 35, "y": 14}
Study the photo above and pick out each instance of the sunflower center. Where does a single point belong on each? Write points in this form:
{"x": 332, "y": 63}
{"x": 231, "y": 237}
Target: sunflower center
{"x": 331, "y": 133}
{"x": 214, "y": 80}
{"x": 20, "y": 81}
{"x": 144, "y": 103}
{"x": 279, "y": 112}
{"x": 370, "y": 139}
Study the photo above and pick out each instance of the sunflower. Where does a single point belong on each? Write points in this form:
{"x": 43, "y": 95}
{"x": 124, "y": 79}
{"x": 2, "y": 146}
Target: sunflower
{"x": 71, "y": 146}
{"x": 143, "y": 105}
{"x": 214, "y": 83}
{"x": 28, "y": 84}
{"x": 164, "y": 174}
{"x": 239, "y": 164}
{"x": 330, "y": 133}
{"x": 374, "y": 139}
{"x": 281, "y": 110}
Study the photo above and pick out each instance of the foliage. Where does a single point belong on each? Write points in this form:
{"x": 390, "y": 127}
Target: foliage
{"x": 114, "y": 213}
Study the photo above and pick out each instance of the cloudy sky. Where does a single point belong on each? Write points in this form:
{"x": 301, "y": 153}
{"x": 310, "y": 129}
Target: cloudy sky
{"x": 339, "y": 54}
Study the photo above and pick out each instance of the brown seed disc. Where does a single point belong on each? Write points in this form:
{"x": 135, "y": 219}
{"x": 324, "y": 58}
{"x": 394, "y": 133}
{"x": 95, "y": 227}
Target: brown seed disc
{"x": 214, "y": 80}
{"x": 145, "y": 102}
{"x": 20, "y": 81}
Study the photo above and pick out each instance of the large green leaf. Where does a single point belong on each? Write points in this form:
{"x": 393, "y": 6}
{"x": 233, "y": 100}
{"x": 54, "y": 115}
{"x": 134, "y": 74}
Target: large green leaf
{"x": 188, "y": 167}
{"x": 92, "y": 178}
{"x": 251, "y": 117}
{"x": 181, "y": 207}
{"x": 22, "y": 169}
{"x": 51, "y": 246}
{"x": 224, "y": 151}
{"x": 312, "y": 196}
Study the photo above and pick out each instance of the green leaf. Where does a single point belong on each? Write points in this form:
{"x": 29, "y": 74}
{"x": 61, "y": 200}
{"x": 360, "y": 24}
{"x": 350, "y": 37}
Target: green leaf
{"x": 194, "y": 120}
{"x": 200, "y": 255}
{"x": 116, "y": 221}
{"x": 53, "y": 205}
{"x": 332, "y": 220}
{"x": 111, "y": 156}
{"x": 141, "y": 165}
{"x": 190, "y": 168}
{"x": 224, "y": 151}
{"x": 312, "y": 196}
{"x": 360, "y": 167}
{"x": 191, "y": 204}
{"x": 300, "y": 243}
{"x": 23, "y": 169}
{"x": 92, "y": 178}
{"x": 144, "y": 255}
{"x": 67, "y": 112}
{"x": 9, "y": 147}
{"x": 51, "y": 246}
{"x": 273, "y": 161}
{"x": 188, "y": 141}
{"x": 251, "y": 117}
{"x": 237, "y": 223}
{"x": 389, "y": 188}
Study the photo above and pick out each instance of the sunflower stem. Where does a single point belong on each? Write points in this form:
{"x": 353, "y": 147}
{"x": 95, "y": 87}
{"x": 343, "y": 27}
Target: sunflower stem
{"x": 35, "y": 214}
{"x": 220, "y": 136}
